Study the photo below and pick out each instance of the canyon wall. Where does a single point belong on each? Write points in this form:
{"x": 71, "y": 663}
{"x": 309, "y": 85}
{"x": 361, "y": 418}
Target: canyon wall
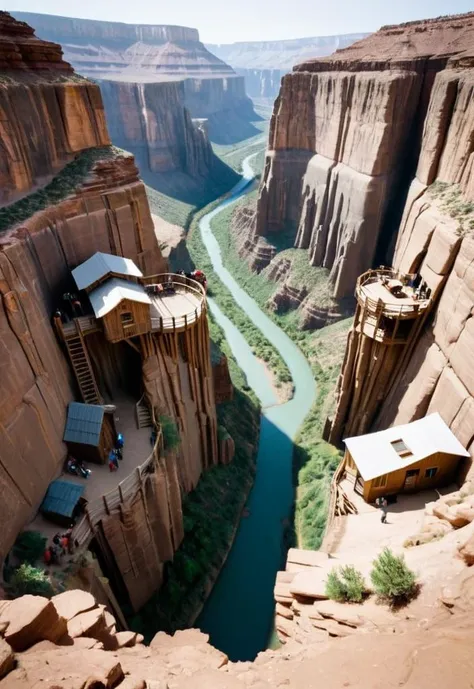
{"x": 264, "y": 63}
{"x": 138, "y": 54}
{"x": 343, "y": 144}
{"x": 434, "y": 237}
{"x": 94, "y": 202}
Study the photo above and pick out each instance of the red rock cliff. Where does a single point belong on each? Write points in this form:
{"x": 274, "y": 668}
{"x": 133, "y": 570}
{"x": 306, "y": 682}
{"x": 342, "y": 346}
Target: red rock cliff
{"x": 148, "y": 54}
{"x": 65, "y": 113}
{"x": 342, "y": 139}
{"x": 434, "y": 236}
{"x": 95, "y": 202}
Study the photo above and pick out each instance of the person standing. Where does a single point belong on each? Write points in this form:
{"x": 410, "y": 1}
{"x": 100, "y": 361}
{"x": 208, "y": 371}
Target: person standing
{"x": 382, "y": 503}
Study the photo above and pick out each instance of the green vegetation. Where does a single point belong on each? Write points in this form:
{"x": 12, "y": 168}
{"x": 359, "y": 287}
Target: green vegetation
{"x": 30, "y": 580}
{"x": 63, "y": 184}
{"x": 346, "y": 585}
{"x": 173, "y": 210}
{"x": 392, "y": 579}
{"x": 210, "y": 515}
{"x": 258, "y": 342}
{"x": 453, "y": 203}
{"x": 169, "y": 429}
{"x": 29, "y": 546}
{"x": 314, "y": 460}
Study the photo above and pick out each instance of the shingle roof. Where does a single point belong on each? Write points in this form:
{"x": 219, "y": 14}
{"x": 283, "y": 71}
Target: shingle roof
{"x": 108, "y": 295}
{"x": 374, "y": 455}
{"x": 84, "y": 423}
{"x": 61, "y": 498}
{"x": 99, "y": 265}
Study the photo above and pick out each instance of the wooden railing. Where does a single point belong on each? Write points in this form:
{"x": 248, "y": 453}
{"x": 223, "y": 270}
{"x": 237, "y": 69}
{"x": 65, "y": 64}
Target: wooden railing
{"x": 378, "y": 307}
{"x": 179, "y": 283}
{"x": 103, "y": 506}
{"x": 86, "y": 324}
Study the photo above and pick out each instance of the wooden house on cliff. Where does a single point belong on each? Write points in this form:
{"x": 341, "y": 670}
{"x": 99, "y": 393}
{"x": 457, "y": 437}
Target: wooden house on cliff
{"x": 417, "y": 456}
{"x": 116, "y": 295}
{"x": 90, "y": 432}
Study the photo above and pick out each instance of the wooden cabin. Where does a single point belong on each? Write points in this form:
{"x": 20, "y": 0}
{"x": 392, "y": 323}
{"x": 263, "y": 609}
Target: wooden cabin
{"x": 123, "y": 308}
{"x": 116, "y": 295}
{"x": 90, "y": 432}
{"x": 63, "y": 502}
{"x": 421, "y": 455}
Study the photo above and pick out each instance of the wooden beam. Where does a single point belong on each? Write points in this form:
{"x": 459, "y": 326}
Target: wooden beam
{"x": 132, "y": 345}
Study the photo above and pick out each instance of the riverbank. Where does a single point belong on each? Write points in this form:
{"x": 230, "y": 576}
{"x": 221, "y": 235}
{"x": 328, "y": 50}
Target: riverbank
{"x": 261, "y": 347}
{"x": 314, "y": 460}
{"x": 239, "y": 612}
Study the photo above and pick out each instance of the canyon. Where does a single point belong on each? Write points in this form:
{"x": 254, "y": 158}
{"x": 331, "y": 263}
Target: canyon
{"x": 166, "y": 97}
{"x": 369, "y": 159}
{"x": 264, "y": 63}
{"x": 67, "y": 193}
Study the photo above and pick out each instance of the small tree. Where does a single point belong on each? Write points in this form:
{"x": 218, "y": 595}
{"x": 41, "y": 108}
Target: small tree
{"x": 169, "y": 429}
{"x": 29, "y": 579}
{"x": 392, "y": 578}
{"x": 345, "y": 584}
{"x": 29, "y": 546}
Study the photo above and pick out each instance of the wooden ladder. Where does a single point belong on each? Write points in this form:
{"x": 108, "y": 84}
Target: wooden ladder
{"x": 82, "y": 367}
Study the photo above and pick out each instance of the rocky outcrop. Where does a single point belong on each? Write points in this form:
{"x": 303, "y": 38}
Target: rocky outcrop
{"x": 66, "y": 114}
{"x": 139, "y": 54}
{"x": 339, "y": 655}
{"x": 344, "y": 134}
{"x": 96, "y": 202}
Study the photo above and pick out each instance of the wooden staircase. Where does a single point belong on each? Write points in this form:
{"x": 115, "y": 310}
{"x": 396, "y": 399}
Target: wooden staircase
{"x": 143, "y": 415}
{"x": 82, "y": 367}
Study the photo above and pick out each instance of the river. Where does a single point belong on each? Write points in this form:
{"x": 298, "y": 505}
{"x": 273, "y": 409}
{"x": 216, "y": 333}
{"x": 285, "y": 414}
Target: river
{"x": 238, "y": 615}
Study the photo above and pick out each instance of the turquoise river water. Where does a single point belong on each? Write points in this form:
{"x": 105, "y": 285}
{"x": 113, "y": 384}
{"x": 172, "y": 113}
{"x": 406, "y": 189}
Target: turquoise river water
{"x": 238, "y": 615}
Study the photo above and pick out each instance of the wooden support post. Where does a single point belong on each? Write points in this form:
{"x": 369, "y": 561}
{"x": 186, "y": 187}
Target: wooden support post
{"x": 106, "y": 505}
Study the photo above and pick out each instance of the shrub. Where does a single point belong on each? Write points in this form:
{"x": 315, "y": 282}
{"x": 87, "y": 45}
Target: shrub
{"x": 28, "y": 579}
{"x": 392, "y": 578}
{"x": 345, "y": 584}
{"x": 29, "y": 546}
{"x": 169, "y": 429}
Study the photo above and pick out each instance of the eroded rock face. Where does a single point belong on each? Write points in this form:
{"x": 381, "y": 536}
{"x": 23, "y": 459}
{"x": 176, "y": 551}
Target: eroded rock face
{"x": 339, "y": 136}
{"x": 65, "y": 112}
{"x": 140, "y": 54}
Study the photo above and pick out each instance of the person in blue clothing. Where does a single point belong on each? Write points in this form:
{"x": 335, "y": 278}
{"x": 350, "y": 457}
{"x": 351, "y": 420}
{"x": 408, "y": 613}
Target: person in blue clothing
{"x": 119, "y": 443}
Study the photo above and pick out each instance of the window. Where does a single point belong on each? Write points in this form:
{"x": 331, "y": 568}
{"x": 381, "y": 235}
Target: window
{"x": 380, "y": 481}
{"x": 401, "y": 448}
{"x": 126, "y": 318}
{"x": 431, "y": 473}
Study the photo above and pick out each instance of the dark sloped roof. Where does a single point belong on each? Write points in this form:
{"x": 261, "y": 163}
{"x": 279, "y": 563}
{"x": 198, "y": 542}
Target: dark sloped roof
{"x": 84, "y": 423}
{"x": 61, "y": 498}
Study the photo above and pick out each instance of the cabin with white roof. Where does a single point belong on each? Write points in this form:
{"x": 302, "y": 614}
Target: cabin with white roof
{"x": 421, "y": 455}
{"x": 117, "y": 297}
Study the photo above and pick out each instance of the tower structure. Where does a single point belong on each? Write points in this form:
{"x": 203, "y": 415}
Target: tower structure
{"x": 389, "y": 316}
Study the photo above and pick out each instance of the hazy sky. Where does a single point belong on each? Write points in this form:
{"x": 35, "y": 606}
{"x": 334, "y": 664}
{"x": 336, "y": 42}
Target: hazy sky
{"x": 226, "y": 21}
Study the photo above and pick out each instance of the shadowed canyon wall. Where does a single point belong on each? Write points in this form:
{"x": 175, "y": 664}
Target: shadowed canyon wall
{"x": 435, "y": 237}
{"x": 94, "y": 202}
{"x": 343, "y": 144}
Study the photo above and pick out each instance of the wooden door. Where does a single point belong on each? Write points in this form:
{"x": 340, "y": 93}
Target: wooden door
{"x": 411, "y": 479}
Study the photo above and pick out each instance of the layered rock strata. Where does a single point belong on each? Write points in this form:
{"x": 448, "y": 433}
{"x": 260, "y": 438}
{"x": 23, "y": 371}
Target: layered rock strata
{"x": 138, "y": 54}
{"x": 435, "y": 240}
{"x": 65, "y": 113}
{"x": 343, "y": 136}
{"x": 96, "y": 202}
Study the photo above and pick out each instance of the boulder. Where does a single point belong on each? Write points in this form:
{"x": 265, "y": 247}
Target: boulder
{"x": 125, "y": 639}
{"x": 310, "y": 583}
{"x": 309, "y": 558}
{"x": 91, "y": 623}
{"x": 71, "y": 603}
{"x": 344, "y": 613}
{"x": 183, "y": 637}
{"x": 7, "y": 660}
{"x": 31, "y": 619}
